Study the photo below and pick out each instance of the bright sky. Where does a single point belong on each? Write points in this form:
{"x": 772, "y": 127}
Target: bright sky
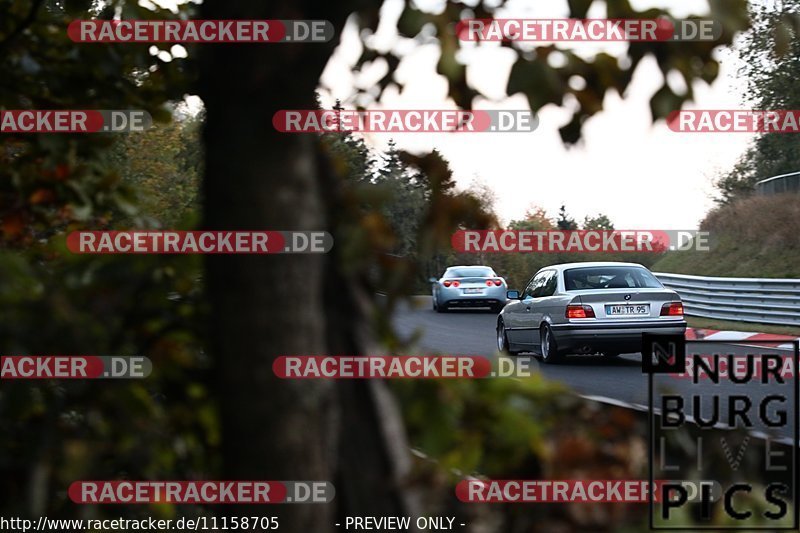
{"x": 643, "y": 176}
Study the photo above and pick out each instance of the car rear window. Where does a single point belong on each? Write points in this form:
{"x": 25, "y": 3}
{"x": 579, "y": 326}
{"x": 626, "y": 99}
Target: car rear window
{"x": 469, "y": 272}
{"x": 609, "y": 277}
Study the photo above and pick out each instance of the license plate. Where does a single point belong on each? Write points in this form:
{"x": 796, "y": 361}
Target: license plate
{"x": 473, "y": 291}
{"x": 624, "y": 310}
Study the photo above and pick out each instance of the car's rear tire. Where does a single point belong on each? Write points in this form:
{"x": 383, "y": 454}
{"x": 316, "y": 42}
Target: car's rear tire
{"x": 502, "y": 340}
{"x": 440, "y": 308}
{"x": 549, "y": 346}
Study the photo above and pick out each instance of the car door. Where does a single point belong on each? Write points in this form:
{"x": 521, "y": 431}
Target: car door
{"x": 435, "y": 287}
{"x": 544, "y": 301}
{"x": 519, "y": 323}
{"x": 512, "y": 316}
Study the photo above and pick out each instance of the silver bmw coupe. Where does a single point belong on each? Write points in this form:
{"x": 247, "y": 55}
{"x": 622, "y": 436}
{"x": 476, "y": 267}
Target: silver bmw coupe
{"x": 588, "y": 308}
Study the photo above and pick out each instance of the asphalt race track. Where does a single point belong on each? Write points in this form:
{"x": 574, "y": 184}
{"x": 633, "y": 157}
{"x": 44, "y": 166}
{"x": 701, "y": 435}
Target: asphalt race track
{"x": 619, "y": 380}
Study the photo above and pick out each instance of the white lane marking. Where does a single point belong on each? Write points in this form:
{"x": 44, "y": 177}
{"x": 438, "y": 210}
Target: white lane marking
{"x": 729, "y": 336}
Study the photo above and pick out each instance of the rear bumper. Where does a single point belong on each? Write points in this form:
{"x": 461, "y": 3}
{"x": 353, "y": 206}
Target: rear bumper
{"x": 472, "y": 302}
{"x": 621, "y": 337}
{"x": 488, "y": 297}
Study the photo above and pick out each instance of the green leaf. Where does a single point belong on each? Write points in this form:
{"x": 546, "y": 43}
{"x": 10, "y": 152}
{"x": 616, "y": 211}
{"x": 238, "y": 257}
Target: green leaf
{"x": 538, "y": 81}
{"x": 579, "y": 8}
{"x": 664, "y": 102}
{"x": 411, "y": 21}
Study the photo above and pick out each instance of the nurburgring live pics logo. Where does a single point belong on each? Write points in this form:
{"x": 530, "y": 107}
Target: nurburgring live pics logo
{"x": 688, "y": 425}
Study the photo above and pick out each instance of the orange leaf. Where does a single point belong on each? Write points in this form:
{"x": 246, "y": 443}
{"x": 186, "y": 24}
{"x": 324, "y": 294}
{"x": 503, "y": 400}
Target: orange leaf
{"x": 41, "y": 196}
{"x": 12, "y": 226}
{"x": 62, "y": 172}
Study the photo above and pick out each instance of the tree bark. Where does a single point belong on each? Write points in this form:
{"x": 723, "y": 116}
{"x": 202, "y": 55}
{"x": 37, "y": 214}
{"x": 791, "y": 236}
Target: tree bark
{"x": 271, "y": 305}
{"x": 265, "y": 306}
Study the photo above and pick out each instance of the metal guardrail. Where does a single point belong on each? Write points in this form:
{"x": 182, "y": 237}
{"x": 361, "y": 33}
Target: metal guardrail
{"x": 757, "y": 300}
{"x": 779, "y": 184}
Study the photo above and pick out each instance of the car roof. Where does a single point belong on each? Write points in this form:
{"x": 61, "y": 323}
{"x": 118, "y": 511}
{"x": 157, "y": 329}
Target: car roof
{"x": 469, "y": 266}
{"x": 588, "y": 264}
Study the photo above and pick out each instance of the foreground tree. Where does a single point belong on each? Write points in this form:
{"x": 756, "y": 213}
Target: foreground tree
{"x": 266, "y": 306}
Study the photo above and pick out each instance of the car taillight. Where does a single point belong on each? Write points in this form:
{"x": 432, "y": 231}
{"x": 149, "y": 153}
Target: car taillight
{"x": 672, "y": 309}
{"x": 448, "y": 283}
{"x": 495, "y": 282}
{"x": 580, "y": 311}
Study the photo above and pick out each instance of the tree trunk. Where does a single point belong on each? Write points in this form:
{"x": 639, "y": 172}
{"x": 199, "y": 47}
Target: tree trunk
{"x": 271, "y": 305}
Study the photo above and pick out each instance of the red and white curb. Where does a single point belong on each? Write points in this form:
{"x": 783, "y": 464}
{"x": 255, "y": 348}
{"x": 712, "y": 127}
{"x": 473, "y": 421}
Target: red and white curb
{"x": 738, "y": 336}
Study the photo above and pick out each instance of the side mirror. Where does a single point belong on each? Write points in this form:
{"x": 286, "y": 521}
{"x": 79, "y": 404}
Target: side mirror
{"x": 512, "y": 295}
{"x": 432, "y": 280}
